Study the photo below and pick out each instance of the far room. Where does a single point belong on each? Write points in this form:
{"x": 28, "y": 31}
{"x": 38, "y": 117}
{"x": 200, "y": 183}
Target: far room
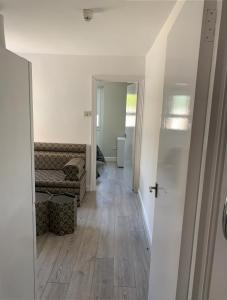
{"x": 116, "y": 111}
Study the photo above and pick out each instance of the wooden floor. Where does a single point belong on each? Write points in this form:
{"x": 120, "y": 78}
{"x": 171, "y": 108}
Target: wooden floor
{"x": 107, "y": 257}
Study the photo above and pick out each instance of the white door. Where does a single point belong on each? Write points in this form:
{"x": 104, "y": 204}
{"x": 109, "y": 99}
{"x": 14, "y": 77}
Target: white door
{"x": 179, "y": 90}
{"x": 16, "y": 187}
{"x": 218, "y": 286}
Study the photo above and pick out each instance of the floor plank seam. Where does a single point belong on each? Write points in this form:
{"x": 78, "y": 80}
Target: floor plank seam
{"x": 51, "y": 271}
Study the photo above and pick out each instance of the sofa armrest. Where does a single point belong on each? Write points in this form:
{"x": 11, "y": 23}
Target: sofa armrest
{"x": 74, "y": 169}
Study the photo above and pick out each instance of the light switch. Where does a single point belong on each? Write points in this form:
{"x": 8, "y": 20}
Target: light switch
{"x": 87, "y": 113}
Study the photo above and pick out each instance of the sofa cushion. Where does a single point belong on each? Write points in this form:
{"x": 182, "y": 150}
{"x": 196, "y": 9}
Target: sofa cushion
{"x": 58, "y": 147}
{"x": 53, "y": 178}
{"x": 58, "y": 190}
{"x": 54, "y": 160}
{"x": 74, "y": 169}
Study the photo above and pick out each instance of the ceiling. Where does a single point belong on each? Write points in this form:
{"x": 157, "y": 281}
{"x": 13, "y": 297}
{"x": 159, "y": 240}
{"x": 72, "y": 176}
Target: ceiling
{"x": 56, "y": 26}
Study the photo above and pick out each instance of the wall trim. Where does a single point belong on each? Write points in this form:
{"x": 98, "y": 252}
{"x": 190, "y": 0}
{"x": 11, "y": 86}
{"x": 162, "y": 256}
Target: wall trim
{"x": 145, "y": 219}
{"x": 138, "y": 136}
{"x": 111, "y": 159}
{"x": 214, "y": 165}
{"x": 196, "y": 162}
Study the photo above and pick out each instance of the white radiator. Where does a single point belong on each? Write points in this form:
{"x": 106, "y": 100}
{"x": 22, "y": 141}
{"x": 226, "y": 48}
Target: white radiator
{"x": 120, "y": 152}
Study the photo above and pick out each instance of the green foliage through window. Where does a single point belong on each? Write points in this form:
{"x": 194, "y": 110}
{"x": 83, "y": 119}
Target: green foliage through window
{"x": 131, "y": 103}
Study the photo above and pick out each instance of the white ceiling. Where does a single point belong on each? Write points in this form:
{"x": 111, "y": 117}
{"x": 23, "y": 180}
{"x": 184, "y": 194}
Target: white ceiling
{"x": 56, "y": 26}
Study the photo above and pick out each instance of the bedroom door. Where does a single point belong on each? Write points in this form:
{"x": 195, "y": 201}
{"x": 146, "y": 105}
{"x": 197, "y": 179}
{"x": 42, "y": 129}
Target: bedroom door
{"x": 182, "y": 54}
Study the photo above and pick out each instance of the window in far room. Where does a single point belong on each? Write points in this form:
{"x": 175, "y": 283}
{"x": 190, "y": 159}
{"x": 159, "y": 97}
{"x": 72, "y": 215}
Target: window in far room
{"x": 131, "y": 102}
{"x": 100, "y": 98}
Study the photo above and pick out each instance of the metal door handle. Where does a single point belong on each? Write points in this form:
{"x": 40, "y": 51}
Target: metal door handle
{"x": 224, "y": 220}
{"x": 155, "y": 188}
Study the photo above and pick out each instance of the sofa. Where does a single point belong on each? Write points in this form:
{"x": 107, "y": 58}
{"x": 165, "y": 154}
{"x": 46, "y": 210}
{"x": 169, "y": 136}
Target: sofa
{"x": 61, "y": 168}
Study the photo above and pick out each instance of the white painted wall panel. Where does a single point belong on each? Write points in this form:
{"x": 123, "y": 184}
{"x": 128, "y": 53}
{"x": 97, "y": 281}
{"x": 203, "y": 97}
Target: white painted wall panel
{"x": 62, "y": 91}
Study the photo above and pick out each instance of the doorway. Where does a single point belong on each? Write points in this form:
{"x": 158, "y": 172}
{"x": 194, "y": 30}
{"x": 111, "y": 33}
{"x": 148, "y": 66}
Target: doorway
{"x": 116, "y": 128}
{"x": 116, "y": 104}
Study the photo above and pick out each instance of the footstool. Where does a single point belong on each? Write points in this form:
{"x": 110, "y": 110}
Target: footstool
{"x": 42, "y": 213}
{"x": 62, "y": 214}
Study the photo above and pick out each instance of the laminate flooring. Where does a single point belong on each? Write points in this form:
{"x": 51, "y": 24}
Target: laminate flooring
{"x": 108, "y": 257}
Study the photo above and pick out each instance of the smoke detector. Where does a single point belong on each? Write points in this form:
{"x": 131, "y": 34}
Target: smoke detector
{"x": 88, "y": 14}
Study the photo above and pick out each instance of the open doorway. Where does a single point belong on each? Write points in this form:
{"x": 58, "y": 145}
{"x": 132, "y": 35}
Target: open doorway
{"x": 116, "y": 111}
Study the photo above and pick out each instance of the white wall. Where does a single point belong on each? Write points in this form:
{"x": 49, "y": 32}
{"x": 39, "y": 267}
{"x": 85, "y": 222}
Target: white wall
{"x": 113, "y": 116}
{"x": 62, "y": 91}
{"x": 154, "y": 84}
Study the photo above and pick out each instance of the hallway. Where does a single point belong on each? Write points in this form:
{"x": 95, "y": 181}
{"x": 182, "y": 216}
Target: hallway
{"x": 107, "y": 257}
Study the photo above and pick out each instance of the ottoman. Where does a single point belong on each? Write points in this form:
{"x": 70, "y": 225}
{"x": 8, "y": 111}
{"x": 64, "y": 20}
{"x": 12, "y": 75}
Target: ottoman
{"x": 62, "y": 214}
{"x": 42, "y": 213}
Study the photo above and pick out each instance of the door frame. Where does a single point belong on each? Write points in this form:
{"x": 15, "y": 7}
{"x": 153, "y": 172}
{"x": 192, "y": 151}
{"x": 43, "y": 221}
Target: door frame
{"x": 198, "y": 153}
{"x": 138, "y": 128}
{"x": 211, "y": 194}
{"x": 100, "y": 129}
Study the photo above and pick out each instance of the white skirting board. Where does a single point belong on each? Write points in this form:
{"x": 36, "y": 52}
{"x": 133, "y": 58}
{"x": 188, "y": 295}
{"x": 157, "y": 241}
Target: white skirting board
{"x": 146, "y": 226}
{"x": 110, "y": 159}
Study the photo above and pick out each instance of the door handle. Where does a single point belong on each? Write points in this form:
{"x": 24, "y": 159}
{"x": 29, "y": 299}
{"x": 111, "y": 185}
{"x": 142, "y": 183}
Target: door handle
{"x": 224, "y": 220}
{"x": 155, "y": 188}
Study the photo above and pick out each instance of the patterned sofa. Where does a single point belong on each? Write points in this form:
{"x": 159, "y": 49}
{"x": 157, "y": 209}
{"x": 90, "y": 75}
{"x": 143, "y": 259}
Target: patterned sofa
{"x": 61, "y": 168}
